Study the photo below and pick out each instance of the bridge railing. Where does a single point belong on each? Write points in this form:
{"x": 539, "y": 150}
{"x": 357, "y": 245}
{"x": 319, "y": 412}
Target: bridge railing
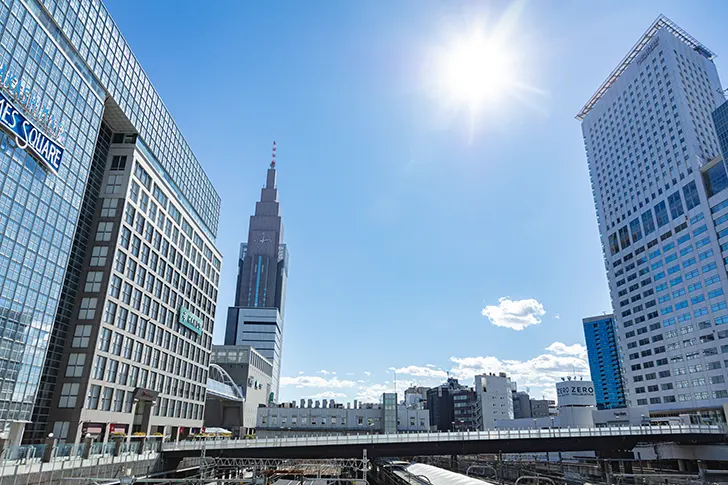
{"x": 503, "y": 434}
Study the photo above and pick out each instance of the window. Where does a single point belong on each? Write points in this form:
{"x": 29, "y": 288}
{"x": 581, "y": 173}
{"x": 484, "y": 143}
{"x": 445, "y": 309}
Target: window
{"x": 92, "y": 402}
{"x": 635, "y": 229}
{"x": 119, "y": 401}
{"x": 87, "y": 311}
{"x": 648, "y": 222}
{"x": 81, "y": 336}
{"x": 60, "y": 429}
{"x": 111, "y": 370}
{"x": 118, "y": 162}
{"x": 661, "y": 214}
{"x": 104, "y": 339}
{"x": 110, "y": 312}
{"x": 108, "y": 207}
{"x": 114, "y": 183}
{"x": 69, "y": 395}
{"x": 99, "y": 367}
{"x": 692, "y": 199}
{"x": 103, "y": 231}
{"x": 98, "y": 255}
{"x": 106, "y": 399}
{"x": 75, "y": 365}
{"x": 93, "y": 281}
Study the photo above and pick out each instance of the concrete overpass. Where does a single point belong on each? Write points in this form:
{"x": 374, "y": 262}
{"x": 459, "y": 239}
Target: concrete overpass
{"x": 453, "y": 443}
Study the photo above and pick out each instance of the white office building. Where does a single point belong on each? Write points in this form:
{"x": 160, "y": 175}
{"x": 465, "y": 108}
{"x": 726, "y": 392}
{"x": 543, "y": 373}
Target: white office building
{"x": 649, "y": 138}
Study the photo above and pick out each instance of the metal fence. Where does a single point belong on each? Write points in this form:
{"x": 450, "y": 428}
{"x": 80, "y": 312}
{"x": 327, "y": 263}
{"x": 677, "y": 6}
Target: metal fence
{"x": 510, "y": 434}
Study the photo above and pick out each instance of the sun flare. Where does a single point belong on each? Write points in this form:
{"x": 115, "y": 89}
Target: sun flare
{"x": 477, "y": 70}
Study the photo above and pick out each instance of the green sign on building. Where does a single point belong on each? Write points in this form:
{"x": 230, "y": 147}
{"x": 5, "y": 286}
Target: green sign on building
{"x": 190, "y": 320}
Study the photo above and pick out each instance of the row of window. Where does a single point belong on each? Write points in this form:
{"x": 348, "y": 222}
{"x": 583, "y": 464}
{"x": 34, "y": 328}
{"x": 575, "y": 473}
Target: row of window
{"x": 627, "y": 235}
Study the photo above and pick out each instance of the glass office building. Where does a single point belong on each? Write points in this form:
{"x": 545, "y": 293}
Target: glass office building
{"x": 65, "y": 68}
{"x": 604, "y": 362}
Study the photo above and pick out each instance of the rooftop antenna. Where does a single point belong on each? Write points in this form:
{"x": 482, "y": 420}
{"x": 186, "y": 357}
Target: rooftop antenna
{"x": 273, "y": 159}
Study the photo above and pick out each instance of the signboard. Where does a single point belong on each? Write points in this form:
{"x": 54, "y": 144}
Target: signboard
{"x": 190, "y": 320}
{"x": 27, "y": 135}
{"x": 647, "y": 49}
{"x": 576, "y": 393}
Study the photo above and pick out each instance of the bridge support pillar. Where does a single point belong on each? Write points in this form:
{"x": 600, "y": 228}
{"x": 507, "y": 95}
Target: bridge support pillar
{"x": 119, "y": 444}
{"x": 702, "y": 471}
{"x": 3, "y": 444}
{"x": 49, "y": 449}
{"x": 87, "y": 445}
{"x": 142, "y": 445}
{"x": 454, "y": 463}
{"x": 606, "y": 467}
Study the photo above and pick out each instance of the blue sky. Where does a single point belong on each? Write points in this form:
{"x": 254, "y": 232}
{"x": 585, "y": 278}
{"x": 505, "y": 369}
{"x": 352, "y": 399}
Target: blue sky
{"x": 405, "y": 215}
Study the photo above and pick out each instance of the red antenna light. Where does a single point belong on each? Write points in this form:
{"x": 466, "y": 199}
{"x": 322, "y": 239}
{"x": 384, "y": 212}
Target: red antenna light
{"x": 273, "y": 160}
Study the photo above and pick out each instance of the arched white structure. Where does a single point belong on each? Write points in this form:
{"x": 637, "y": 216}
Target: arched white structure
{"x": 220, "y": 376}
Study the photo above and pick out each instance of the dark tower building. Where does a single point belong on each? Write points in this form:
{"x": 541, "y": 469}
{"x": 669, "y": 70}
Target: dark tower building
{"x": 257, "y": 317}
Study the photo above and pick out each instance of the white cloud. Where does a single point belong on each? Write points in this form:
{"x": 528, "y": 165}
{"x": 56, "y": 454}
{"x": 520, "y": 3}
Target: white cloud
{"x": 316, "y": 381}
{"x": 327, "y": 395}
{"x": 430, "y": 365}
{"x": 417, "y": 371}
{"x": 367, "y": 373}
{"x": 300, "y": 372}
{"x": 559, "y": 348}
{"x": 349, "y": 373}
{"x": 540, "y": 373}
{"x": 373, "y": 393}
{"x": 557, "y": 316}
{"x": 515, "y": 314}
{"x": 326, "y": 372}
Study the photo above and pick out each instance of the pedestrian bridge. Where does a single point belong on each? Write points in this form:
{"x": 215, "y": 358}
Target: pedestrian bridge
{"x": 451, "y": 443}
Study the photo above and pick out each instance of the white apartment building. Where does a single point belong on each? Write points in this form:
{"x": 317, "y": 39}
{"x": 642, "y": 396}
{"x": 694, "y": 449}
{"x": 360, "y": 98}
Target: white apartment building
{"x": 649, "y": 134}
{"x": 495, "y": 398}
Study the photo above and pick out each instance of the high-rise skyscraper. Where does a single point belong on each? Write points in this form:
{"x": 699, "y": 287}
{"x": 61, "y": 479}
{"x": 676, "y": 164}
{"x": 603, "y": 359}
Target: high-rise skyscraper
{"x": 604, "y": 361}
{"x": 256, "y": 319}
{"x": 649, "y": 141}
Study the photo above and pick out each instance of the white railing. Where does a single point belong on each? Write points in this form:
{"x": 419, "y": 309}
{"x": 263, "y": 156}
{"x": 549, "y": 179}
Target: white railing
{"x": 510, "y": 434}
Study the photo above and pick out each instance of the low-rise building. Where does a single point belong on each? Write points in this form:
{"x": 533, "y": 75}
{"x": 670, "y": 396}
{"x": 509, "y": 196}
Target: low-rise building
{"x": 286, "y": 419}
{"x": 253, "y": 375}
{"x": 452, "y": 407}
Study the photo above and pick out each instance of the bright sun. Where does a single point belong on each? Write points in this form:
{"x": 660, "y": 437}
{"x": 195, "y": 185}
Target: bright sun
{"x": 476, "y": 70}
{"x": 484, "y": 68}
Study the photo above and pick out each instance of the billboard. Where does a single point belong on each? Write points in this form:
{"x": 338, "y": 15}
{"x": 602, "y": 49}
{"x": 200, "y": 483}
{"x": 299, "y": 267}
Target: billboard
{"x": 576, "y": 393}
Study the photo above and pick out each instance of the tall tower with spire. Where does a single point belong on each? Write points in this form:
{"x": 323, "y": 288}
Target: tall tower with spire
{"x": 256, "y": 319}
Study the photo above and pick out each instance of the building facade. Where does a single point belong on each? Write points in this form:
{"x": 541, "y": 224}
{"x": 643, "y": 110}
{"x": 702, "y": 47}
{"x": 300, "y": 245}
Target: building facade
{"x": 331, "y": 418}
{"x": 649, "y": 140}
{"x": 495, "y": 398}
{"x": 540, "y": 408}
{"x": 65, "y": 70}
{"x": 252, "y": 373}
{"x": 605, "y": 361}
{"x": 140, "y": 333}
{"x": 453, "y": 407}
{"x": 257, "y": 317}
{"x": 521, "y": 405}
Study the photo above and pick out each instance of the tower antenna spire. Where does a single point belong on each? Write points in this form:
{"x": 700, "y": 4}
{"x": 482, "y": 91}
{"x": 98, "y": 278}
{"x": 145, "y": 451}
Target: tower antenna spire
{"x": 273, "y": 159}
